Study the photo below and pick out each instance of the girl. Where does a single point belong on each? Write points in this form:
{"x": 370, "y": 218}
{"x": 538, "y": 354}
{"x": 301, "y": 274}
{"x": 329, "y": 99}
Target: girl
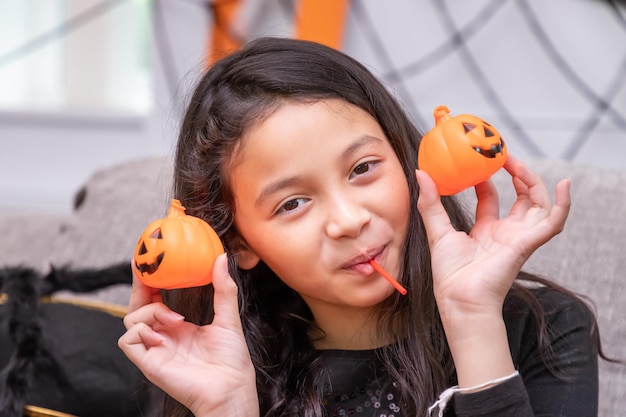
{"x": 307, "y": 168}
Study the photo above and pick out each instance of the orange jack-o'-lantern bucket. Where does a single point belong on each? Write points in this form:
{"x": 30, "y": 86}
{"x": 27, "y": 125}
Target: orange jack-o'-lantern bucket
{"x": 460, "y": 152}
{"x": 177, "y": 252}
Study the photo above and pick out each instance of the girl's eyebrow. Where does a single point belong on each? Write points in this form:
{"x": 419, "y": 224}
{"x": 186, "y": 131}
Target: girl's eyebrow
{"x": 358, "y": 143}
{"x": 274, "y": 187}
{"x": 286, "y": 182}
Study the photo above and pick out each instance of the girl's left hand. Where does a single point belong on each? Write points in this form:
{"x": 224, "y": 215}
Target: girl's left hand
{"x": 473, "y": 272}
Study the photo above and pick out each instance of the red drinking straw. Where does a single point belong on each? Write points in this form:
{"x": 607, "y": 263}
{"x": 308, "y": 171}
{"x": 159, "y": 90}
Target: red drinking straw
{"x": 388, "y": 277}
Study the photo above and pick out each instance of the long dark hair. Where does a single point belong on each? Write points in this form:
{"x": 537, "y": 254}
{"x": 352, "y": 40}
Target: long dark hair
{"x": 237, "y": 92}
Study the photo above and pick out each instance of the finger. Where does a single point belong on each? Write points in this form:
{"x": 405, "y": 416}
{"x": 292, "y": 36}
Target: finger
{"x": 225, "y": 302}
{"x": 434, "y": 215}
{"x": 536, "y": 191}
{"x": 522, "y": 202}
{"x": 141, "y": 294}
{"x": 155, "y": 314}
{"x": 140, "y": 334}
{"x": 534, "y": 202}
{"x": 488, "y": 204}
{"x": 554, "y": 222}
{"x": 562, "y": 205}
{"x": 563, "y": 194}
{"x": 136, "y": 342}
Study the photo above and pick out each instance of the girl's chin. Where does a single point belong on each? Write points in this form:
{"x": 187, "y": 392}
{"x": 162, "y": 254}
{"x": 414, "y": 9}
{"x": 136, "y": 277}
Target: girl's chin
{"x": 370, "y": 296}
{"x": 354, "y": 298}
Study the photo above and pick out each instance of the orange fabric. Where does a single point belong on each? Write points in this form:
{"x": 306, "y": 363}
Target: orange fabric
{"x": 321, "y": 21}
{"x": 222, "y": 40}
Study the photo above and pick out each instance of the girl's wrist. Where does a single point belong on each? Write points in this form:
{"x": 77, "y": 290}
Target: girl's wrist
{"x": 242, "y": 402}
{"x": 459, "y": 313}
{"x": 464, "y": 331}
{"x": 244, "y": 407}
{"x": 479, "y": 347}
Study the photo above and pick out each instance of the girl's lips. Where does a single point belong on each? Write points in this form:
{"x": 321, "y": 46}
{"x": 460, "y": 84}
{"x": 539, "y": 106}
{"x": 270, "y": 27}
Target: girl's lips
{"x": 360, "y": 263}
{"x": 363, "y": 268}
{"x": 368, "y": 264}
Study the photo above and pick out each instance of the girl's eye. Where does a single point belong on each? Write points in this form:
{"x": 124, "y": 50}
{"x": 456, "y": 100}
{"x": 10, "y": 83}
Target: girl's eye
{"x": 291, "y": 205}
{"x": 362, "y": 168}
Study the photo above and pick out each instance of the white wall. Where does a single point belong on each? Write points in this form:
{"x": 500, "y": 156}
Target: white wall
{"x": 46, "y": 156}
{"x": 541, "y": 110}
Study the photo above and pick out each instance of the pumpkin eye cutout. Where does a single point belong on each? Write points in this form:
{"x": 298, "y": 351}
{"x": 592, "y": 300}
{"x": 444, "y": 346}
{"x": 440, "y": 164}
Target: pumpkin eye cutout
{"x": 460, "y": 152}
{"x": 177, "y": 251}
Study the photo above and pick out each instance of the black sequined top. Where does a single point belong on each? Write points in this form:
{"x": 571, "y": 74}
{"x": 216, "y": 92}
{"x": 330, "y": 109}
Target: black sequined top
{"x": 360, "y": 387}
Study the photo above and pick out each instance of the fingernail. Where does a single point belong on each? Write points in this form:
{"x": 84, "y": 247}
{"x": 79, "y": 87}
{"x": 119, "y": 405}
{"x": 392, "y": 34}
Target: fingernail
{"x": 176, "y": 316}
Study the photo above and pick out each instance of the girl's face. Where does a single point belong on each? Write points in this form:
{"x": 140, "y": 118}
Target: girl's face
{"x": 318, "y": 193}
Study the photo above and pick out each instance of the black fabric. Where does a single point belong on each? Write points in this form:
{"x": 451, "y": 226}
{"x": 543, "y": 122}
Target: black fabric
{"x": 84, "y": 279}
{"x": 358, "y": 385}
{"x": 81, "y": 370}
{"x": 63, "y": 357}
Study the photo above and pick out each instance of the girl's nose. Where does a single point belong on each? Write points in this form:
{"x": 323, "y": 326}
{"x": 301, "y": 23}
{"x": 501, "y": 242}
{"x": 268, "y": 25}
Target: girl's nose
{"x": 346, "y": 218}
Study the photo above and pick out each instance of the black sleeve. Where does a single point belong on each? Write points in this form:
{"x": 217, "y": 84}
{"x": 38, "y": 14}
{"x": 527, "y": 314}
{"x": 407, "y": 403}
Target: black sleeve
{"x": 559, "y": 380}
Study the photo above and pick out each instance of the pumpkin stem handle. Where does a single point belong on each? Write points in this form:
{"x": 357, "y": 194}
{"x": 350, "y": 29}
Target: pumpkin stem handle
{"x": 441, "y": 114}
{"x": 176, "y": 209}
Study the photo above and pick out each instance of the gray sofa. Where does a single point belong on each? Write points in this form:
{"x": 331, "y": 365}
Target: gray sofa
{"x": 118, "y": 202}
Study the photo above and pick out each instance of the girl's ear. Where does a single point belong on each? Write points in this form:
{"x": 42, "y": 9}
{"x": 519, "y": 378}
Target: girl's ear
{"x": 246, "y": 257}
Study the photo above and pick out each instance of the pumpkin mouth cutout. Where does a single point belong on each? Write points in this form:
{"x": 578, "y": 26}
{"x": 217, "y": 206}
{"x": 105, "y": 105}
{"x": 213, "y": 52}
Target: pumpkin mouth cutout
{"x": 150, "y": 268}
{"x": 491, "y": 152}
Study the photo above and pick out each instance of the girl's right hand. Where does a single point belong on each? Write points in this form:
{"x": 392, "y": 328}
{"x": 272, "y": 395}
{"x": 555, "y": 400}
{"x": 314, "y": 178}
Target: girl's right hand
{"x": 206, "y": 368}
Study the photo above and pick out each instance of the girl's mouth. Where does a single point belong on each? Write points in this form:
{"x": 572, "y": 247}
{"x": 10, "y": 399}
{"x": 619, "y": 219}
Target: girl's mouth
{"x": 367, "y": 264}
{"x": 361, "y": 263}
{"x": 363, "y": 268}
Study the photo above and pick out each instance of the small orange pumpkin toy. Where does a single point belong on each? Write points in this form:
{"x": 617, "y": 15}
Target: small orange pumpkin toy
{"x": 177, "y": 252}
{"x": 460, "y": 152}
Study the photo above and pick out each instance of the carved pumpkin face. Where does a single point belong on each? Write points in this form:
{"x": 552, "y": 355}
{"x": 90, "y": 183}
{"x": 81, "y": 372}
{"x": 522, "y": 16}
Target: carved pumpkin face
{"x": 460, "y": 152}
{"x": 177, "y": 252}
